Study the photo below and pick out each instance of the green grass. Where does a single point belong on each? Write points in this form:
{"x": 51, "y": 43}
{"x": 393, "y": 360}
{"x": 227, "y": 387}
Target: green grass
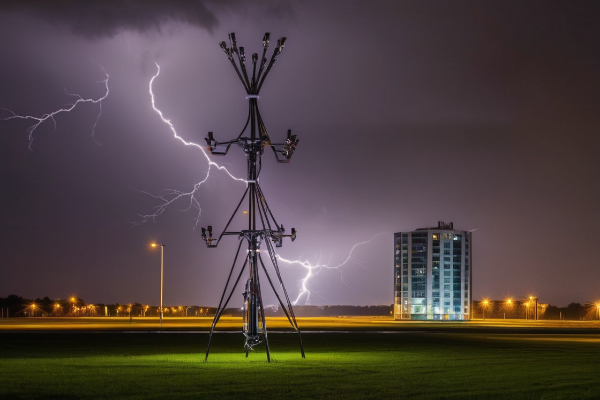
{"x": 357, "y": 365}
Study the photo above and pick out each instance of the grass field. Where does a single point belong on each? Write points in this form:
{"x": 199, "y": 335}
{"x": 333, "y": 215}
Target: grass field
{"x": 475, "y": 360}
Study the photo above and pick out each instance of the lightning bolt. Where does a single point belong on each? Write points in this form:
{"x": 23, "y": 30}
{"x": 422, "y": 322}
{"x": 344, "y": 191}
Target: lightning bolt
{"x": 313, "y": 270}
{"x": 51, "y": 115}
{"x": 170, "y": 196}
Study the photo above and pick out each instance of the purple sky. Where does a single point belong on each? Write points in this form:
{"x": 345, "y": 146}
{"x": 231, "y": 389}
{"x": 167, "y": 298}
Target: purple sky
{"x": 408, "y": 112}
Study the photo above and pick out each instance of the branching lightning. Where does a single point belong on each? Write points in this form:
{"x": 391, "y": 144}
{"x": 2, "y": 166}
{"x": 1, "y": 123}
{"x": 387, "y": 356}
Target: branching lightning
{"x": 313, "y": 270}
{"x": 170, "y": 196}
{"x": 51, "y": 115}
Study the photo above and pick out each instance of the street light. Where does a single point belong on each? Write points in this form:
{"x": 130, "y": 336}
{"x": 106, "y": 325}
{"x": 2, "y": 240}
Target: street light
{"x": 162, "y": 249}
{"x": 72, "y": 300}
{"x": 485, "y": 303}
{"x": 531, "y": 298}
{"x": 509, "y": 305}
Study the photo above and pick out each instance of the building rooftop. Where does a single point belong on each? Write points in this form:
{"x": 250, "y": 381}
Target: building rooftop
{"x": 441, "y": 225}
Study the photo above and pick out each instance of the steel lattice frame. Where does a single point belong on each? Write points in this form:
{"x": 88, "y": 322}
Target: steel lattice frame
{"x": 262, "y": 225}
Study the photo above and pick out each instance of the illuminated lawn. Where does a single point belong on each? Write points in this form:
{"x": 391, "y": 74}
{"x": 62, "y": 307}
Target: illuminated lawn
{"x": 424, "y": 364}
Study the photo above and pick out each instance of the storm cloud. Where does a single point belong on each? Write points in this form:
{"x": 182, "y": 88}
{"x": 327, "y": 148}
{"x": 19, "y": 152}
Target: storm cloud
{"x": 99, "y": 19}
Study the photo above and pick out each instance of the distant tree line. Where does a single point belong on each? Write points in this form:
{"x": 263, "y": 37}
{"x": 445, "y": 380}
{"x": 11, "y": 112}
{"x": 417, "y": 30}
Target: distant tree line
{"x": 573, "y": 311}
{"x": 17, "y": 306}
{"x": 526, "y": 310}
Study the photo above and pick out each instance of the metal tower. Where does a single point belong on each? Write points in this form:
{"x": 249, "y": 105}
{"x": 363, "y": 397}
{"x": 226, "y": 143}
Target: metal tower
{"x": 262, "y": 225}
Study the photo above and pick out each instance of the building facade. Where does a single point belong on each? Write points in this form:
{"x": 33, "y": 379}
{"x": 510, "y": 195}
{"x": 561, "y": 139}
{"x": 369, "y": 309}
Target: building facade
{"x": 432, "y": 274}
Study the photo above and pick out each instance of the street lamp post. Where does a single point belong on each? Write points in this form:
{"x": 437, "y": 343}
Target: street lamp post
{"x": 162, "y": 249}
{"x": 73, "y": 306}
{"x": 485, "y": 303}
{"x": 535, "y": 314}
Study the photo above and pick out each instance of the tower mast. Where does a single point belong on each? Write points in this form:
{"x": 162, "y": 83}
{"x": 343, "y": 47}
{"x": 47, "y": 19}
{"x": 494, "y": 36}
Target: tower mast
{"x": 262, "y": 225}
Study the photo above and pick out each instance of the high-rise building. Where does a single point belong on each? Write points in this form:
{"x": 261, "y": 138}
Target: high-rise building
{"x": 432, "y": 273}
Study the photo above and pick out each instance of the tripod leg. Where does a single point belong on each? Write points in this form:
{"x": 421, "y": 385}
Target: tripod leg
{"x": 221, "y": 305}
{"x": 262, "y": 314}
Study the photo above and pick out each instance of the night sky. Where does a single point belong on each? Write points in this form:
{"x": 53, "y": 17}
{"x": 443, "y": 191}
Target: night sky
{"x": 485, "y": 114}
